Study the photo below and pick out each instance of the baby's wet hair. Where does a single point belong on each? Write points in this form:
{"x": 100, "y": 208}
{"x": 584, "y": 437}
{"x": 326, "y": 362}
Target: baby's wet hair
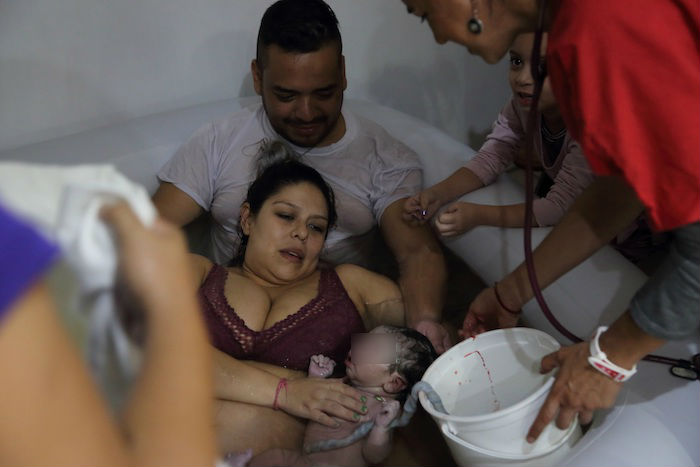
{"x": 414, "y": 354}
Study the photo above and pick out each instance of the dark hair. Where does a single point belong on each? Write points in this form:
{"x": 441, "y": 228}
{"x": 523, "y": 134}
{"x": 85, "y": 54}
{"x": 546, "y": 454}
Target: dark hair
{"x": 300, "y": 26}
{"x": 278, "y": 167}
{"x": 414, "y": 355}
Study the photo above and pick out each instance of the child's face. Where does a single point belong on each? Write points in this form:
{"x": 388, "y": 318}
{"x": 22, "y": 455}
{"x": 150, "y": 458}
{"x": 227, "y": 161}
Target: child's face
{"x": 520, "y": 78}
{"x": 370, "y": 358}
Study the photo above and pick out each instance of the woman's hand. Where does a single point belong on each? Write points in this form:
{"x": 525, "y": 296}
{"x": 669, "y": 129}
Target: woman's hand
{"x": 320, "y": 399}
{"x": 578, "y": 389}
{"x": 421, "y": 207}
{"x": 457, "y": 218}
{"x": 485, "y": 314}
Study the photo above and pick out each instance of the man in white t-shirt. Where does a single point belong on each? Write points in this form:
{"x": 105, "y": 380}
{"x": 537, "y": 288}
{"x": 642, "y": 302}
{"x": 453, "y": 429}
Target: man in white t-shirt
{"x": 299, "y": 71}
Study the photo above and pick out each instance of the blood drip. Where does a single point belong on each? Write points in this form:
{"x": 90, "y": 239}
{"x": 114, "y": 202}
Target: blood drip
{"x": 496, "y": 403}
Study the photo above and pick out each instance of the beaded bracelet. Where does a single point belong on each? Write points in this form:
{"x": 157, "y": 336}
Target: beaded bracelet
{"x": 280, "y": 385}
{"x": 500, "y": 302}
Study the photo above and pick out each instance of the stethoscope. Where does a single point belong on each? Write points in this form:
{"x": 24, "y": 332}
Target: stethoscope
{"x": 688, "y": 369}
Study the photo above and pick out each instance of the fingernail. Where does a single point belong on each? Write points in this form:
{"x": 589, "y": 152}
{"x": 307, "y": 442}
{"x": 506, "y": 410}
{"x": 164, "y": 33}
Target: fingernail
{"x": 356, "y": 416}
{"x": 363, "y": 398}
{"x": 364, "y": 408}
{"x": 530, "y": 439}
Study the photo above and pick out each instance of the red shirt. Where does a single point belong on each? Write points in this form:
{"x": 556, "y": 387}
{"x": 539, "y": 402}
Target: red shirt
{"x": 626, "y": 75}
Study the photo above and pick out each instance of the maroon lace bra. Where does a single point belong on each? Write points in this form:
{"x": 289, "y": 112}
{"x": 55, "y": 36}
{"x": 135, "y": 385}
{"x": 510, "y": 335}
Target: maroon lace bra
{"x": 322, "y": 326}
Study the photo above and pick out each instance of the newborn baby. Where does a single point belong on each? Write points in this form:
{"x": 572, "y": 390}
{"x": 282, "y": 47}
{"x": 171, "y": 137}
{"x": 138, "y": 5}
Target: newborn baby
{"x": 383, "y": 365}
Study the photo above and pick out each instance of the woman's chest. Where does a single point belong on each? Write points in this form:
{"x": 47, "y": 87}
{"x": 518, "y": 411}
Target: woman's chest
{"x": 262, "y": 307}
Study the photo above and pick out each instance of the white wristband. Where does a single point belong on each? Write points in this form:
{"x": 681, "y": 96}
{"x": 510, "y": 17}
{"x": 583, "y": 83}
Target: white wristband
{"x": 599, "y": 360}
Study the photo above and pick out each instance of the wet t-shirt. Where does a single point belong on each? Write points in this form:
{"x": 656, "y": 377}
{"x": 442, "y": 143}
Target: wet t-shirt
{"x": 367, "y": 168}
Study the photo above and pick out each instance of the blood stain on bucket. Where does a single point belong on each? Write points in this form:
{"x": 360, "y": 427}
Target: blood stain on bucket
{"x": 496, "y": 402}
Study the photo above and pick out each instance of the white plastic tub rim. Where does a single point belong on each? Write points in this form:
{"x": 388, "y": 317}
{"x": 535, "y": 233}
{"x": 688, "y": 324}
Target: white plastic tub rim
{"x": 459, "y": 348}
{"x": 467, "y": 454}
{"x": 516, "y": 355}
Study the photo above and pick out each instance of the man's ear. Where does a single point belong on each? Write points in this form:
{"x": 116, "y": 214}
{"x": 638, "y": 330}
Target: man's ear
{"x": 395, "y": 385}
{"x": 246, "y": 218}
{"x": 342, "y": 70}
{"x": 256, "y": 71}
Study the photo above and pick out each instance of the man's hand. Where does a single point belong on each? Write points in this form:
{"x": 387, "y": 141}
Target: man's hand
{"x": 578, "y": 389}
{"x": 436, "y": 333}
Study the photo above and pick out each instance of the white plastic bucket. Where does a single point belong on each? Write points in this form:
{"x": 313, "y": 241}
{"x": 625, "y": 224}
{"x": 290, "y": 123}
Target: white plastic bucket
{"x": 492, "y": 389}
{"x": 468, "y": 455}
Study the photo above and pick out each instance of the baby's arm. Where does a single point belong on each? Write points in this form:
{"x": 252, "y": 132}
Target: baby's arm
{"x": 377, "y": 445}
{"x": 321, "y": 366}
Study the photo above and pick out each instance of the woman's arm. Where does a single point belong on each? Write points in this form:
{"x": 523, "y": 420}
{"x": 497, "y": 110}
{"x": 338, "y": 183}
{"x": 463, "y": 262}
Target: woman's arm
{"x": 376, "y": 297}
{"x": 200, "y": 266}
{"x": 606, "y": 207}
{"x": 259, "y": 384}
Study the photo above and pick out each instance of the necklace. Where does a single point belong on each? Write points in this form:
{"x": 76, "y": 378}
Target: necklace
{"x": 550, "y": 137}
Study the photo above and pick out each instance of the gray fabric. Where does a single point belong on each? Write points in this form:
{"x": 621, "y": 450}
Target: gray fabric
{"x": 668, "y": 306}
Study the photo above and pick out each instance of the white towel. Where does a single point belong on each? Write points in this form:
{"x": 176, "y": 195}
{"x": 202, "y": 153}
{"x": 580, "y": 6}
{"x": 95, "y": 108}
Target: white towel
{"x": 64, "y": 203}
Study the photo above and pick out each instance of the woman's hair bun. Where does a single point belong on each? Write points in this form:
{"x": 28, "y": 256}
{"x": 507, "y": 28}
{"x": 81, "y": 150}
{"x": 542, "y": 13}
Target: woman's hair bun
{"x": 272, "y": 152}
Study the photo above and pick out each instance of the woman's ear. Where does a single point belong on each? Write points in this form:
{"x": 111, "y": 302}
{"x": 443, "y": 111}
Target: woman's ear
{"x": 246, "y": 218}
{"x": 395, "y": 384}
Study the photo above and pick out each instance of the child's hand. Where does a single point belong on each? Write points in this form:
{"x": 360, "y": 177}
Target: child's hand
{"x": 421, "y": 207}
{"x": 321, "y": 366}
{"x": 457, "y": 219}
{"x": 390, "y": 409}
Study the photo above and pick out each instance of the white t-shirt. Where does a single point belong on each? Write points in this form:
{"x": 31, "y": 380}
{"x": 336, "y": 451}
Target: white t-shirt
{"x": 368, "y": 170}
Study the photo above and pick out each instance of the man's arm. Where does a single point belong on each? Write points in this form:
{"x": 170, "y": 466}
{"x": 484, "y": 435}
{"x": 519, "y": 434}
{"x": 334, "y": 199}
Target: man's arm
{"x": 175, "y": 206}
{"x": 422, "y": 273}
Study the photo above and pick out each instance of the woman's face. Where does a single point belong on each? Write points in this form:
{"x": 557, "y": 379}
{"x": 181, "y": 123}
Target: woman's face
{"x": 448, "y": 21}
{"x": 520, "y": 76}
{"x": 286, "y": 236}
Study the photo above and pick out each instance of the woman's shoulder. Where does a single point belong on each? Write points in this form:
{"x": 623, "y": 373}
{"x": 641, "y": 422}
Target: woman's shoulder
{"x": 200, "y": 267}
{"x": 368, "y": 284}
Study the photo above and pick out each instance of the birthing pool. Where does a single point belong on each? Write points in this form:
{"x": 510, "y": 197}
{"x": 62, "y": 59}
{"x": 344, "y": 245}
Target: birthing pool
{"x": 656, "y": 420}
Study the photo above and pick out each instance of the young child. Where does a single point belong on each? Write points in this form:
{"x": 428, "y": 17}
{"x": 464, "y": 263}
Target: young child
{"x": 383, "y": 364}
{"x": 565, "y": 170}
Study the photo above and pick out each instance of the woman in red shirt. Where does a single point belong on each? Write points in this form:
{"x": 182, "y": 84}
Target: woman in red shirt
{"x": 627, "y": 80}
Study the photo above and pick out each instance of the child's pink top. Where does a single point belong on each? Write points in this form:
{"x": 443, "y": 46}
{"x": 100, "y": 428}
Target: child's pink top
{"x": 569, "y": 171}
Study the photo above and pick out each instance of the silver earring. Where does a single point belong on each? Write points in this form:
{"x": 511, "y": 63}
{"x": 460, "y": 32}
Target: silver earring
{"x": 474, "y": 25}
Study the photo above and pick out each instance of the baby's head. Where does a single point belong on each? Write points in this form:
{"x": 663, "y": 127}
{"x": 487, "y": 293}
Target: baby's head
{"x": 520, "y": 78}
{"x": 389, "y": 358}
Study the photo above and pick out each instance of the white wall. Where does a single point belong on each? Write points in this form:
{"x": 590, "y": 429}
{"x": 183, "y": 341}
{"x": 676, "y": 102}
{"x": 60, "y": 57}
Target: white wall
{"x": 71, "y": 65}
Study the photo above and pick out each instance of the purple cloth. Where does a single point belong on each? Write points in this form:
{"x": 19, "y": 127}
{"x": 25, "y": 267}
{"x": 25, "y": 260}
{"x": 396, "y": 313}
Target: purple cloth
{"x": 24, "y": 255}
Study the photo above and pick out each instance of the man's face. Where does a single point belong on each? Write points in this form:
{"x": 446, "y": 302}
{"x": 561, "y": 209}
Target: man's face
{"x": 302, "y": 94}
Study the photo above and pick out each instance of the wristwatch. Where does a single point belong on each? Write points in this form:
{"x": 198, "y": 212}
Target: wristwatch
{"x": 599, "y": 360}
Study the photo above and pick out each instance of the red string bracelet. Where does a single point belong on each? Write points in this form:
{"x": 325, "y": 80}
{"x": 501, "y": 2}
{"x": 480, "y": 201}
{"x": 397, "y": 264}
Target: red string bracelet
{"x": 500, "y": 302}
{"x": 280, "y": 385}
